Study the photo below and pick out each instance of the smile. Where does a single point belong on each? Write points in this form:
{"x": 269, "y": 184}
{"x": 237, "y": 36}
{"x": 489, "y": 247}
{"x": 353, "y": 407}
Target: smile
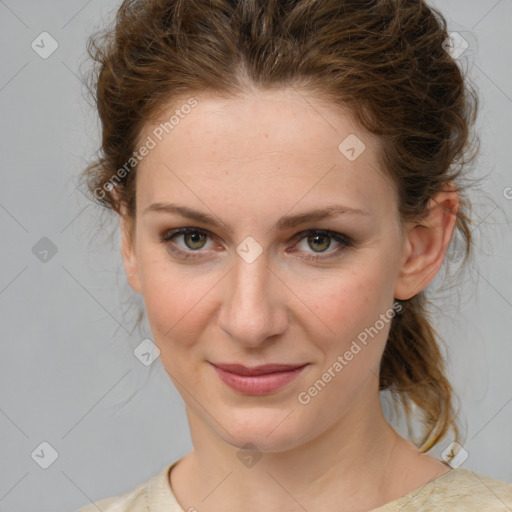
{"x": 259, "y": 380}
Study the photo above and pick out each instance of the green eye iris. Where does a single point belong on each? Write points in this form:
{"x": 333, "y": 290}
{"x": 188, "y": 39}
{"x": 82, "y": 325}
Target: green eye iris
{"x": 319, "y": 247}
{"x": 194, "y": 239}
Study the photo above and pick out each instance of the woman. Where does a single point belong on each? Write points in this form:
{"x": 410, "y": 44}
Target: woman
{"x": 288, "y": 177}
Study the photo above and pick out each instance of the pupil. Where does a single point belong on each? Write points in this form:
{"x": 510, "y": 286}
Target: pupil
{"x": 196, "y": 238}
{"x": 316, "y": 237}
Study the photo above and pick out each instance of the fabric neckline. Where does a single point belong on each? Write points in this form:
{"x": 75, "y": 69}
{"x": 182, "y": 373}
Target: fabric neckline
{"x": 160, "y": 495}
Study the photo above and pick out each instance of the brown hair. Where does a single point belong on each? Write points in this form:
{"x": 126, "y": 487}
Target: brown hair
{"x": 383, "y": 60}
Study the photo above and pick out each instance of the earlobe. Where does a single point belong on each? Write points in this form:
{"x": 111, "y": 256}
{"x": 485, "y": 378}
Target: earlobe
{"x": 426, "y": 244}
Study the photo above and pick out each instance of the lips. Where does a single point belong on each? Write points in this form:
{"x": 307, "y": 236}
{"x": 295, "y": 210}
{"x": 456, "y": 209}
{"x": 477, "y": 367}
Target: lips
{"x": 265, "y": 369}
{"x": 257, "y": 380}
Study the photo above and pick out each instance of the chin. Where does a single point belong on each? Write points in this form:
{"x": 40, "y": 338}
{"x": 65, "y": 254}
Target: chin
{"x": 266, "y": 429}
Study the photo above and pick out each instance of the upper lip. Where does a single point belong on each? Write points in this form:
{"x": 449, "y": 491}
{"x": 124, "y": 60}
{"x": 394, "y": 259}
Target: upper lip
{"x": 240, "y": 369}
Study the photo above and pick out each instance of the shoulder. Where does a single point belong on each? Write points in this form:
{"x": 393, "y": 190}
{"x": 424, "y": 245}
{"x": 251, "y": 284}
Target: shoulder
{"x": 130, "y": 501}
{"x": 155, "y": 491}
{"x": 480, "y": 492}
{"x": 458, "y": 490}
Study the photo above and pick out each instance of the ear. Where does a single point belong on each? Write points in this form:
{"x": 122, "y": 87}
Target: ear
{"x": 426, "y": 244}
{"x": 128, "y": 253}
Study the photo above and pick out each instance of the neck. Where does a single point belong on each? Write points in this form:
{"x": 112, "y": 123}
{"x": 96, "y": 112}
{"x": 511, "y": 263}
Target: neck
{"x": 352, "y": 466}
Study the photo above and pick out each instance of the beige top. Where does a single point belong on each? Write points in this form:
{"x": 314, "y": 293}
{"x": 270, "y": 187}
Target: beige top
{"x": 458, "y": 490}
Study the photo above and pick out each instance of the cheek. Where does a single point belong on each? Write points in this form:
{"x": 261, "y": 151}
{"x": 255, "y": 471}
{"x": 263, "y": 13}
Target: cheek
{"x": 176, "y": 314}
{"x": 349, "y": 301}
{"x": 180, "y": 300}
{"x": 175, "y": 299}
{"x": 351, "y": 305}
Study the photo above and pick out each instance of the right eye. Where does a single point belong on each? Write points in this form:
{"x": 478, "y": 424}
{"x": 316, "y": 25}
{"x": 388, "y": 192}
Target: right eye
{"x": 193, "y": 238}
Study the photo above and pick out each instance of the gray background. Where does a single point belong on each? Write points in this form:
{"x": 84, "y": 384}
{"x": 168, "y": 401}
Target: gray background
{"x": 68, "y": 335}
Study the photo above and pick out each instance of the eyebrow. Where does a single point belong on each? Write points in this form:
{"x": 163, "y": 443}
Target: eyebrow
{"x": 286, "y": 222}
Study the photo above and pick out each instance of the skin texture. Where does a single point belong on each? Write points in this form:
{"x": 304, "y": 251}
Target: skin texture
{"x": 248, "y": 161}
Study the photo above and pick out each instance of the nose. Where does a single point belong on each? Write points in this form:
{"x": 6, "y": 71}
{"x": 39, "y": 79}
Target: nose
{"x": 253, "y": 309}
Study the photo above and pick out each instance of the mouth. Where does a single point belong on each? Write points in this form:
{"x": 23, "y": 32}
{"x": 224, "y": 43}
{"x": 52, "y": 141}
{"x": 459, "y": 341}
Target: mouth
{"x": 257, "y": 380}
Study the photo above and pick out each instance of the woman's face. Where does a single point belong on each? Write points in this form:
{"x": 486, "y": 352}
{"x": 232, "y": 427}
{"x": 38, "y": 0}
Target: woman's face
{"x": 242, "y": 286}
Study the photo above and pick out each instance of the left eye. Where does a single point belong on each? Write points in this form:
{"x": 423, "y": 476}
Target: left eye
{"x": 320, "y": 240}
{"x": 195, "y": 239}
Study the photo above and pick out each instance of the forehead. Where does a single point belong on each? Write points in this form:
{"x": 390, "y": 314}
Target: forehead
{"x": 278, "y": 141}
{"x": 288, "y": 120}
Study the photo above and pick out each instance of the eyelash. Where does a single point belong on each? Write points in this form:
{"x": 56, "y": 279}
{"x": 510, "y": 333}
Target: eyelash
{"x": 343, "y": 239}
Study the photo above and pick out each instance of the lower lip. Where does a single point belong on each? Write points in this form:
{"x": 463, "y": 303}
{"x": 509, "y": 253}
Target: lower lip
{"x": 257, "y": 384}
